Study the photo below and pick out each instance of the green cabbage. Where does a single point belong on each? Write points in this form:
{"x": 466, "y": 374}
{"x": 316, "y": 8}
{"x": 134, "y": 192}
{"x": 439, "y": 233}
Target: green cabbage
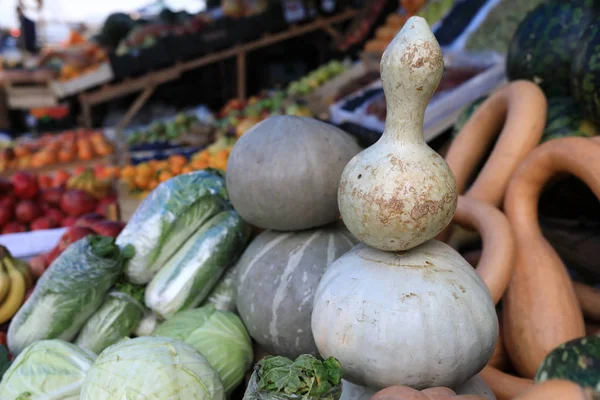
{"x": 219, "y": 335}
{"x": 49, "y": 370}
{"x": 151, "y": 368}
{"x": 168, "y": 217}
{"x": 117, "y": 318}
{"x": 69, "y": 292}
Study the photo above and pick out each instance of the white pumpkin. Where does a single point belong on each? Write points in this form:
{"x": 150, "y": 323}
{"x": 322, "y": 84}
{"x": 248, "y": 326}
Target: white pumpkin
{"x": 420, "y": 318}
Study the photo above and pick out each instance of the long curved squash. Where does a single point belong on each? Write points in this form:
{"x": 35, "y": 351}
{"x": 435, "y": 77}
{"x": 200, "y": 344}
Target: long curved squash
{"x": 520, "y": 108}
{"x": 541, "y": 294}
{"x": 505, "y": 386}
{"x": 497, "y": 258}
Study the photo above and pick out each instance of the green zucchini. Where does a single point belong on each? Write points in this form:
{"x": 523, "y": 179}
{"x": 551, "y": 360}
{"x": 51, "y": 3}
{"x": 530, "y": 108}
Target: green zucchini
{"x": 585, "y": 71}
{"x": 192, "y": 272}
{"x": 577, "y": 360}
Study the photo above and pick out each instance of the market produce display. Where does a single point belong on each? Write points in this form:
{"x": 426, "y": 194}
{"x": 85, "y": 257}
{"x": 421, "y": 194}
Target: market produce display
{"x": 315, "y": 79}
{"x": 272, "y": 257}
{"x": 50, "y": 150}
{"x": 306, "y": 188}
{"x": 34, "y": 202}
{"x": 165, "y": 134}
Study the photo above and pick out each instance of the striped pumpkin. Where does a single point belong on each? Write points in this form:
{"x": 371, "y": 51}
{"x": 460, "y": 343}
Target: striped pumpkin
{"x": 278, "y": 275}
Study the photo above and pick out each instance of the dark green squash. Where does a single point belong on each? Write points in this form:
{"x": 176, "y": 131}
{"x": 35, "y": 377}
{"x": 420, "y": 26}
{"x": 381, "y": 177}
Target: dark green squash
{"x": 577, "y": 360}
{"x": 546, "y": 41}
{"x": 565, "y": 118}
{"x": 585, "y": 72}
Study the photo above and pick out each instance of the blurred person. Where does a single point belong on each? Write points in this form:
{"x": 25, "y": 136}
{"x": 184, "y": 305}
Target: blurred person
{"x": 28, "y": 37}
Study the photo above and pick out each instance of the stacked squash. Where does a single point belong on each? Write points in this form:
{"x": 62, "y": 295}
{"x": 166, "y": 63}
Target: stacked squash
{"x": 405, "y": 313}
{"x": 282, "y": 177}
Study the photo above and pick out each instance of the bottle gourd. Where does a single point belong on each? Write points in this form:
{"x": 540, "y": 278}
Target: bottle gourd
{"x": 414, "y": 316}
{"x": 400, "y": 193}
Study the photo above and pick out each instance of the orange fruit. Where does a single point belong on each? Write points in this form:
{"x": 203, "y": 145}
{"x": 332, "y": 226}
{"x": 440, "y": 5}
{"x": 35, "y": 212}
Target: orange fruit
{"x": 141, "y": 181}
{"x": 204, "y": 155}
{"x": 152, "y": 184}
{"x": 222, "y": 154}
{"x": 177, "y": 159}
{"x": 187, "y": 169}
{"x": 164, "y": 176}
{"x": 176, "y": 169}
{"x": 144, "y": 170}
{"x": 198, "y": 164}
{"x": 128, "y": 171}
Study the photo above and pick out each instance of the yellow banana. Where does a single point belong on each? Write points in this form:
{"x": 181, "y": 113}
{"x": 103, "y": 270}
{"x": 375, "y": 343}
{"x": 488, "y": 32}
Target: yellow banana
{"x": 4, "y": 282}
{"x": 16, "y": 293}
{"x": 25, "y": 270}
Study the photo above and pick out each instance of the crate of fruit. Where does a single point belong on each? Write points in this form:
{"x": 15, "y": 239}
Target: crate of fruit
{"x": 465, "y": 79}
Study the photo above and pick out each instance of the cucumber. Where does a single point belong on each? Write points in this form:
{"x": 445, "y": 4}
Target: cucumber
{"x": 191, "y": 273}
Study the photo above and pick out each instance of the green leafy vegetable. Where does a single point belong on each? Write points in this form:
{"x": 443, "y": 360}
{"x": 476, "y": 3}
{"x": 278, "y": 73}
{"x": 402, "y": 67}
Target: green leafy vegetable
{"x": 168, "y": 217}
{"x": 307, "y": 377}
{"x": 151, "y": 368}
{"x": 220, "y": 336}
{"x": 48, "y": 369}
{"x": 68, "y": 293}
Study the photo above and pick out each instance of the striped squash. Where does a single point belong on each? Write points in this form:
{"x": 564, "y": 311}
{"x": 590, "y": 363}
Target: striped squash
{"x": 278, "y": 275}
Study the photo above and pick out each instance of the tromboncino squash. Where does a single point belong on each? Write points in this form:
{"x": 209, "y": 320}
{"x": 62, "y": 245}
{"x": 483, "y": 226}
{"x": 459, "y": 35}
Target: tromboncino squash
{"x": 541, "y": 294}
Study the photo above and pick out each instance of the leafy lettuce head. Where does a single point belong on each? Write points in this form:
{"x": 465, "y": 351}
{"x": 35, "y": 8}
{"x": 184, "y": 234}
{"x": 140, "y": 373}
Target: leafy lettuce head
{"x": 48, "y": 369}
{"x": 151, "y": 368}
{"x": 220, "y": 336}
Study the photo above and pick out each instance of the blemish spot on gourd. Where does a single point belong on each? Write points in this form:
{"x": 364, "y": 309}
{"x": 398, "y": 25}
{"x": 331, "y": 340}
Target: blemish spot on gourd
{"x": 430, "y": 207}
{"x": 359, "y": 176}
{"x": 420, "y": 89}
{"x": 407, "y": 296}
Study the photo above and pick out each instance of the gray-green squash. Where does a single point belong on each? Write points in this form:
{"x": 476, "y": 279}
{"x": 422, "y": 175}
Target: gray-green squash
{"x": 277, "y": 278}
{"x": 283, "y": 174}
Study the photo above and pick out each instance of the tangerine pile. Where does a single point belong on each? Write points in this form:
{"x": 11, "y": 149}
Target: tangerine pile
{"x": 146, "y": 176}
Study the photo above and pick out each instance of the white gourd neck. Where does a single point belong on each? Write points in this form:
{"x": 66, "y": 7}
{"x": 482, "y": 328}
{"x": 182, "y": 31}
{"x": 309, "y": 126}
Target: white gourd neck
{"x": 411, "y": 69}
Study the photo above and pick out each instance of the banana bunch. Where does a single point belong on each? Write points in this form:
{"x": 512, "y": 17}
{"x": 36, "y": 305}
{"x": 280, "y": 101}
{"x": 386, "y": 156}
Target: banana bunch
{"x": 87, "y": 182}
{"x": 15, "y": 280}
